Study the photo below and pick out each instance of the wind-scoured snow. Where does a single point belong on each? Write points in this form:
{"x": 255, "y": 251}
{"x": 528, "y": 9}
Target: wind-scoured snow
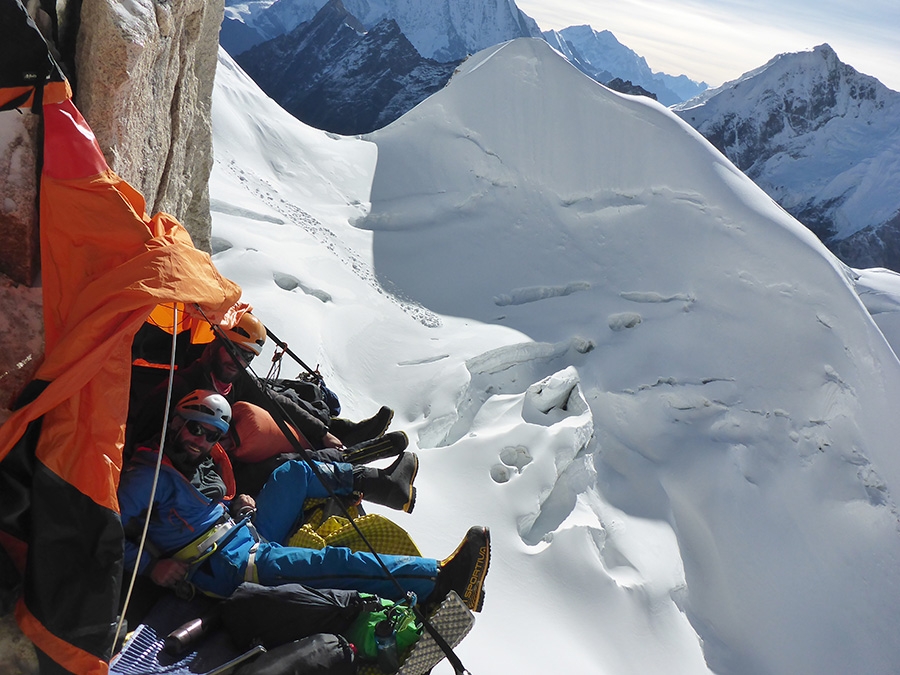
{"x": 680, "y": 427}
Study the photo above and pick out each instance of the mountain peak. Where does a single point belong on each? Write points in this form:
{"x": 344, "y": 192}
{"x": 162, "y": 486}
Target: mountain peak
{"x": 821, "y": 139}
{"x": 600, "y": 55}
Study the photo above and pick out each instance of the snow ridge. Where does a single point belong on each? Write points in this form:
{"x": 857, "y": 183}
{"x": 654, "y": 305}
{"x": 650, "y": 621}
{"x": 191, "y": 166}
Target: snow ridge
{"x": 713, "y": 489}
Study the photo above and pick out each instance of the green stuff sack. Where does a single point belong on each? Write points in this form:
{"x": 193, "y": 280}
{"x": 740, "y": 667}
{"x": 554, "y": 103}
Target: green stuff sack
{"x": 406, "y": 629}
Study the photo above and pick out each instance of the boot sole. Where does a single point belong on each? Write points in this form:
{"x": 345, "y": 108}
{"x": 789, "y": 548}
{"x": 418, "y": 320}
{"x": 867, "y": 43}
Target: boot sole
{"x": 474, "y": 594}
{"x": 376, "y": 449}
{"x": 411, "y": 504}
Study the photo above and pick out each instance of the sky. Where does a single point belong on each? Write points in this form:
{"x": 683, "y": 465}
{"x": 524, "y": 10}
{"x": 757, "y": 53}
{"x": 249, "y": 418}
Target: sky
{"x": 718, "y": 40}
{"x": 662, "y": 394}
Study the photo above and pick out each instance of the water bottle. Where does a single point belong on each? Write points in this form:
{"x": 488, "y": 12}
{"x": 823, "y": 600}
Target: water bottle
{"x": 386, "y": 641}
{"x": 186, "y": 636}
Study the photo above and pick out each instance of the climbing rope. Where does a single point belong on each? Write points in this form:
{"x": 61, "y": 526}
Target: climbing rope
{"x": 162, "y": 445}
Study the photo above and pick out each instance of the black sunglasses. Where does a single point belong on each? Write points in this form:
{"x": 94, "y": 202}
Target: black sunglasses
{"x": 197, "y": 429}
{"x": 247, "y": 355}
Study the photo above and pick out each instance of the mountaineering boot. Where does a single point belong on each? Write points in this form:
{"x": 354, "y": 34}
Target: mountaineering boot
{"x": 465, "y": 570}
{"x": 389, "y": 445}
{"x": 352, "y": 433}
{"x": 393, "y": 486}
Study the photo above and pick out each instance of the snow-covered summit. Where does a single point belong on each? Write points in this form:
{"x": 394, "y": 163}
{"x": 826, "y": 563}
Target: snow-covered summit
{"x": 821, "y": 139}
{"x": 659, "y": 390}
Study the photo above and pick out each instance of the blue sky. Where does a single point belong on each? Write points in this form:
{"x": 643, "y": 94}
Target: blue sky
{"x": 719, "y": 40}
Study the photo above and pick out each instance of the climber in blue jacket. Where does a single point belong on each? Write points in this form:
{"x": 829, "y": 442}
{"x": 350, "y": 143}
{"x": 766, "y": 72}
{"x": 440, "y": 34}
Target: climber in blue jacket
{"x": 200, "y": 531}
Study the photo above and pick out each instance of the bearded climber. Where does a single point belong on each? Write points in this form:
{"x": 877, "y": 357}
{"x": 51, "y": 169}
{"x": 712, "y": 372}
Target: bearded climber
{"x": 218, "y": 370}
{"x": 198, "y": 530}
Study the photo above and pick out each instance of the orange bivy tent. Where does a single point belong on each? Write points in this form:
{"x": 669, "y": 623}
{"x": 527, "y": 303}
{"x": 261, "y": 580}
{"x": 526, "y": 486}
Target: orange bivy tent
{"x": 106, "y": 265}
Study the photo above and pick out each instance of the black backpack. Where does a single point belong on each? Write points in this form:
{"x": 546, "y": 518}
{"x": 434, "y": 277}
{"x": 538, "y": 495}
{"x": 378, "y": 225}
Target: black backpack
{"x": 319, "y": 654}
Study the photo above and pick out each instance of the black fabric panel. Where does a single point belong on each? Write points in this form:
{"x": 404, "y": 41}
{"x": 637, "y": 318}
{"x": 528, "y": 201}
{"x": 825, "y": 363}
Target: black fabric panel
{"x": 74, "y": 568}
{"x": 17, "y": 471}
{"x": 16, "y": 477}
{"x": 47, "y": 666}
{"x": 24, "y": 57}
{"x": 10, "y": 583}
{"x": 29, "y": 393}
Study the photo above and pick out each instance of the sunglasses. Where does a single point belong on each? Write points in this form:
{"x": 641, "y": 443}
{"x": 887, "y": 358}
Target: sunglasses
{"x": 197, "y": 429}
{"x": 246, "y": 354}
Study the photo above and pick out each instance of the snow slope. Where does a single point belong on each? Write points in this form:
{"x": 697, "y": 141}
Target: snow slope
{"x": 659, "y": 390}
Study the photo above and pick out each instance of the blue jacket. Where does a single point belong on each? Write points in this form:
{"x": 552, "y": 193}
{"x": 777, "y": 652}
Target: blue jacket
{"x": 181, "y": 512}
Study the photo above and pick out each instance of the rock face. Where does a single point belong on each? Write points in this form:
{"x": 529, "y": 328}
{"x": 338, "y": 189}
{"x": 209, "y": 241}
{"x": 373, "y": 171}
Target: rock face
{"x": 21, "y": 340}
{"x": 629, "y": 87}
{"x": 335, "y": 75}
{"x": 822, "y": 140}
{"x": 443, "y": 30}
{"x": 19, "y": 253}
{"x": 145, "y": 77}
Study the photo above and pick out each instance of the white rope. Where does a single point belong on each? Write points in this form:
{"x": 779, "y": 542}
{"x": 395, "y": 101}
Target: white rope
{"x": 162, "y": 445}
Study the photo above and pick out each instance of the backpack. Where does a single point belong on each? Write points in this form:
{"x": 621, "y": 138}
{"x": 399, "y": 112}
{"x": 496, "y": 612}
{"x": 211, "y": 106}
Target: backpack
{"x": 309, "y": 387}
{"x": 318, "y": 654}
{"x": 385, "y": 635}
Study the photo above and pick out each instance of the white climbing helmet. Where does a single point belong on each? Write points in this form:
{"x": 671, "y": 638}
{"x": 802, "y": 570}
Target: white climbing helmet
{"x": 206, "y": 407}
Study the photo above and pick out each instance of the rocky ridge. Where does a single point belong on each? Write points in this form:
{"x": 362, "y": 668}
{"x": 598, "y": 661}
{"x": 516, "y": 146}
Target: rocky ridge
{"x": 335, "y": 75}
{"x": 442, "y": 30}
{"x": 823, "y": 140}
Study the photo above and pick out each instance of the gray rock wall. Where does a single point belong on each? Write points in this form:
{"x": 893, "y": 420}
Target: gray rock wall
{"x": 145, "y": 77}
{"x": 19, "y": 254}
{"x": 145, "y": 72}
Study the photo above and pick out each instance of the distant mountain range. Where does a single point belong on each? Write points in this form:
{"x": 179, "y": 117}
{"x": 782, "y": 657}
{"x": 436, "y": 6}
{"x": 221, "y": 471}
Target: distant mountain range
{"x": 822, "y": 140}
{"x": 334, "y": 74}
{"x": 601, "y": 56}
{"x": 353, "y": 66}
{"x": 443, "y": 30}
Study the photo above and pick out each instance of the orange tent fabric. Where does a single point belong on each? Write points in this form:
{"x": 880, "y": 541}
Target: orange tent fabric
{"x": 106, "y": 265}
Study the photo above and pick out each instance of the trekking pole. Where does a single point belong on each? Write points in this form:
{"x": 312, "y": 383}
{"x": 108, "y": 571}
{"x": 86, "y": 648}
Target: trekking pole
{"x": 280, "y": 415}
